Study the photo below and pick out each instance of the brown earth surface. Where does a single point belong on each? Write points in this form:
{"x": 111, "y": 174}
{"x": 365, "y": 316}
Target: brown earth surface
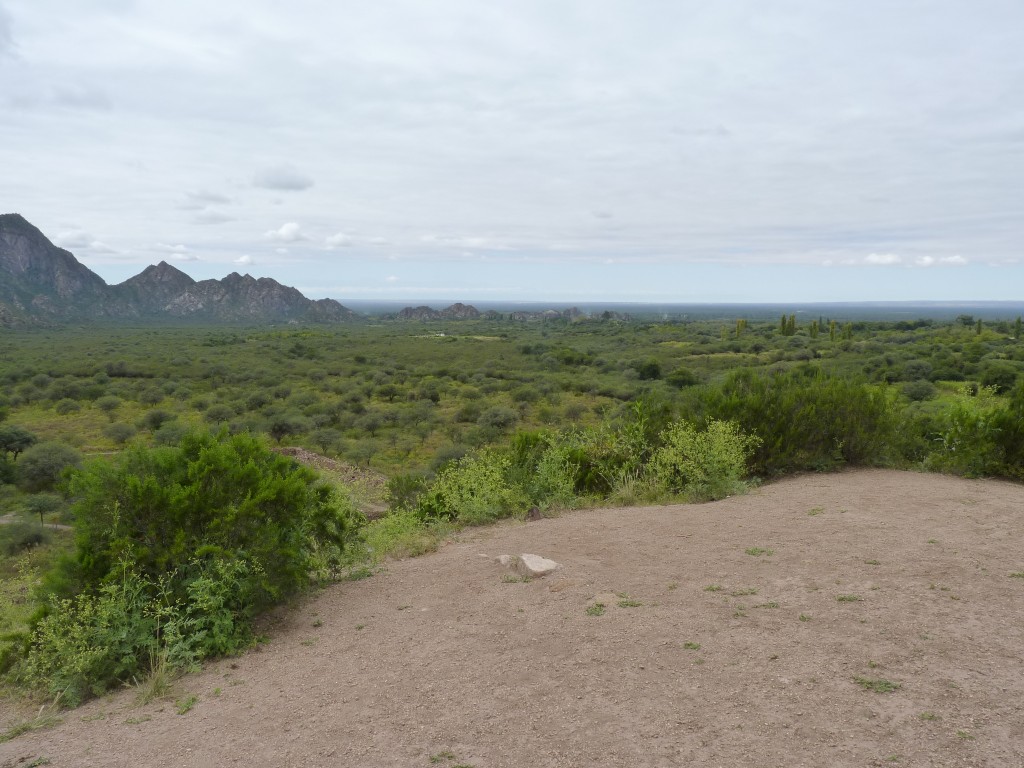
{"x": 444, "y": 660}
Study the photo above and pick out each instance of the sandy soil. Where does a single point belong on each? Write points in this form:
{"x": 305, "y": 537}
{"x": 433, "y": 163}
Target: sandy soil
{"x": 443, "y": 661}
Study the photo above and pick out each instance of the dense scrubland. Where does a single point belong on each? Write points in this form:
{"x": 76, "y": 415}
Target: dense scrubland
{"x": 149, "y": 519}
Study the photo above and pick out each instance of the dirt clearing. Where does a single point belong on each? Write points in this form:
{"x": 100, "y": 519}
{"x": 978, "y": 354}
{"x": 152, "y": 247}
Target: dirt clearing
{"x": 857, "y": 619}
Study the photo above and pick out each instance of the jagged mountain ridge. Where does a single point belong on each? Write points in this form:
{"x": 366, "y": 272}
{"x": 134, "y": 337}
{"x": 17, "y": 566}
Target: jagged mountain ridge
{"x": 41, "y": 283}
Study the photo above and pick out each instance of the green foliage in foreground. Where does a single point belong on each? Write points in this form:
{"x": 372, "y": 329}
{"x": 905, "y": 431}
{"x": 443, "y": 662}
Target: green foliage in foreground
{"x": 177, "y": 548}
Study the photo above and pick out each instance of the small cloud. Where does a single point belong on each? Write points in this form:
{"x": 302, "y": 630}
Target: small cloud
{"x": 282, "y": 177}
{"x": 184, "y": 257}
{"x": 179, "y": 249}
{"x": 287, "y": 233}
{"x": 281, "y": 251}
{"x": 244, "y": 260}
{"x": 391, "y": 279}
{"x": 76, "y": 238}
{"x": 883, "y": 259}
{"x": 211, "y": 217}
{"x": 340, "y": 240}
{"x": 82, "y": 240}
{"x": 377, "y": 241}
{"x": 602, "y": 214}
{"x": 957, "y": 260}
{"x": 924, "y": 261}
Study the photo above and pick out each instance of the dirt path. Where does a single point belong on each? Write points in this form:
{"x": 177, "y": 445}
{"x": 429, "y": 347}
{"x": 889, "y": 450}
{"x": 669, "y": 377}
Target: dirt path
{"x": 439, "y": 661}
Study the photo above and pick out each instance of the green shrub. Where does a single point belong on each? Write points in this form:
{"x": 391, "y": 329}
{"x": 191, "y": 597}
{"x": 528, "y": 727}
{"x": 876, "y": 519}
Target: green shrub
{"x": 119, "y": 432}
{"x": 67, "y": 406}
{"x": 403, "y": 533}
{"x": 474, "y": 490}
{"x": 212, "y": 497}
{"x": 704, "y": 465}
{"x": 920, "y": 389}
{"x": 965, "y": 443}
{"x": 42, "y": 465}
{"x": 806, "y": 419}
{"x": 92, "y": 642}
{"x": 21, "y": 535}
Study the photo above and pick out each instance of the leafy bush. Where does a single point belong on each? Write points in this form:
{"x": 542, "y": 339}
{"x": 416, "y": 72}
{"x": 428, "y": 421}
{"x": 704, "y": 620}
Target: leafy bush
{"x": 918, "y": 390}
{"x": 806, "y": 419}
{"x": 964, "y": 441}
{"x": 212, "y": 497}
{"x": 89, "y": 643}
{"x": 18, "y": 536}
{"x": 176, "y": 549}
{"x": 704, "y": 465}
{"x": 67, "y": 406}
{"x": 1001, "y": 377}
{"x": 474, "y": 490}
{"x": 403, "y": 533}
{"x": 119, "y": 432}
{"x": 42, "y": 465}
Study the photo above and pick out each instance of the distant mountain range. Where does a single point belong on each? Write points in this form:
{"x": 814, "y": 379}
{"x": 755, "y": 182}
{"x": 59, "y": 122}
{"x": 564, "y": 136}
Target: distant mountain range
{"x": 43, "y": 284}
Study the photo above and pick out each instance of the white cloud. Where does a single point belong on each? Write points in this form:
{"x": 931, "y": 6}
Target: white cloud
{"x": 244, "y": 260}
{"x": 76, "y": 238}
{"x": 282, "y": 177}
{"x": 957, "y": 260}
{"x": 924, "y": 261}
{"x": 391, "y": 279}
{"x": 340, "y": 240}
{"x": 179, "y": 249}
{"x": 883, "y": 259}
{"x": 184, "y": 257}
{"x": 286, "y": 233}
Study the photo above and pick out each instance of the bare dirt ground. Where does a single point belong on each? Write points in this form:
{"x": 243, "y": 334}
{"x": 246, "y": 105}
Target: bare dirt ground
{"x": 443, "y": 661}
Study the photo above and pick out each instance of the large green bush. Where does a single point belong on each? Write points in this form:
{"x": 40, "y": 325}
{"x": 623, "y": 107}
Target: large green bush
{"x": 806, "y": 419}
{"x": 176, "y": 550}
{"x": 211, "y": 497}
{"x": 705, "y": 465}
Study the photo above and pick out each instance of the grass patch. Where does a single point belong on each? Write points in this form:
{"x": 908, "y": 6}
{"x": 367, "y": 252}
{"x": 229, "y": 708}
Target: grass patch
{"x": 877, "y": 685}
{"x": 691, "y": 646}
{"x": 743, "y": 592}
{"x": 713, "y": 588}
{"x": 849, "y": 598}
{"x": 629, "y": 603}
{"x": 597, "y": 609}
{"x": 46, "y": 717}
{"x": 758, "y": 551}
{"x": 182, "y": 706}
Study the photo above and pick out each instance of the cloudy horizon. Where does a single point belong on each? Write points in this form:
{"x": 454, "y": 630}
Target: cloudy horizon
{"x": 560, "y": 150}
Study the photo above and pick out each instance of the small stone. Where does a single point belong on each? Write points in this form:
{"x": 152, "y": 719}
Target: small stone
{"x": 535, "y": 566}
{"x": 509, "y": 561}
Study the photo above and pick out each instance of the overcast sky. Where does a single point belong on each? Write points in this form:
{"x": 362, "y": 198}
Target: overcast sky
{"x": 634, "y": 150}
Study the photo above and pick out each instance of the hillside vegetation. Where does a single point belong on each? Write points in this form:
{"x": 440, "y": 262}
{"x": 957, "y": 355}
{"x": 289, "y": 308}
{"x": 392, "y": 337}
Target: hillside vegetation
{"x": 155, "y": 446}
